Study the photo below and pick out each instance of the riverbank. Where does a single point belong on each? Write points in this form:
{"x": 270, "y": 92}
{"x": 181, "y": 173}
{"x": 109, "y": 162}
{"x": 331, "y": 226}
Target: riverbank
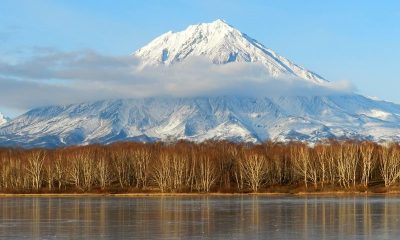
{"x": 326, "y": 193}
{"x": 277, "y": 190}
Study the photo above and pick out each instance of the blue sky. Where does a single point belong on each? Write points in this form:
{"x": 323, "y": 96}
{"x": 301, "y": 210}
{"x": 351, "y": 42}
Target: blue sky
{"x": 358, "y": 41}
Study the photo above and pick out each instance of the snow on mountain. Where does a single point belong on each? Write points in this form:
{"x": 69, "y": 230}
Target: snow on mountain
{"x": 3, "y": 119}
{"x": 250, "y": 119}
{"x": 201, "y": 118}
{"x": 222, "y": 44}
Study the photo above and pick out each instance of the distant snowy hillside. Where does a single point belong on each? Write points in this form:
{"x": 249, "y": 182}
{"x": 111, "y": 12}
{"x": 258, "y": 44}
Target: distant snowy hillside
{"x": 3, "y": 119}
{"x": 199, "y": 119}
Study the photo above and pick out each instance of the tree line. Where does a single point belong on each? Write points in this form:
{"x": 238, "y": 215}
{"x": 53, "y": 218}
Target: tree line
{"x": 201, "y": 167}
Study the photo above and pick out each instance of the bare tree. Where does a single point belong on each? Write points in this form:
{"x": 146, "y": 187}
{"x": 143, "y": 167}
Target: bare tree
{"x": 59, "y": 171}
{"x": 179, "y": 171}
{"x": 206, "y": 173}
{"x": 321, "y": 159}
{"x": 35, "y": 168}
{"x": 367, "y": 162}
{"x": 50, "y": 175}
{"x": 87, "y": 166}
{"x": 74, "y": 171}
{"x": 121, "y": 166}
{"x": 162, "y": 172}
{"x": 347, "y": 162}
{"x": 5, "y": 172}
{"x": 303, "y": 164}
{"x": 254, "y": 167}
{"x": 140, "y": 161}
{"x": 237, "y": 169}
{"x": 390, "y": 165}
{"x": 103, "y": 174}
{"x": 331, "y": 162}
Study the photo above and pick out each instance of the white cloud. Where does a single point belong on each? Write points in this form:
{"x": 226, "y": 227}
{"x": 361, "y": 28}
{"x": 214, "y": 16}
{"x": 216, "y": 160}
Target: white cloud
{"x": 53, "y": 77}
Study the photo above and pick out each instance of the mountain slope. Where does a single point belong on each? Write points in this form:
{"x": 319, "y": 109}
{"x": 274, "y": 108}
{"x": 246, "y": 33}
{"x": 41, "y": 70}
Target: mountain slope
{"x": 202, "y": 118}
{"x": 221, "y": 43}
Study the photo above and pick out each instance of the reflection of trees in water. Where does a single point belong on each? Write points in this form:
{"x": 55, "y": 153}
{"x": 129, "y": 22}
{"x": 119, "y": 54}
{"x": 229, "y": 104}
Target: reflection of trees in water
{"x": 206, "y": 216}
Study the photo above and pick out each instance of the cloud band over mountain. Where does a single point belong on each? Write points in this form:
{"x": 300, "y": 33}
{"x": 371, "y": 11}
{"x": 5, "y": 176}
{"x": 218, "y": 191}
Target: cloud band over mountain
{"x": 55, "y": 77}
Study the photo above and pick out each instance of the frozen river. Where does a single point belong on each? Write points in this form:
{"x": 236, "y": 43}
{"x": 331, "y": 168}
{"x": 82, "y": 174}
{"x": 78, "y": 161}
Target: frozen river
{"x": 200, "y": 217}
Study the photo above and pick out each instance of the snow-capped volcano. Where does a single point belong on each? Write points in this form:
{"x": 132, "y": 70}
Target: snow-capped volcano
{"x": 222, "y": 44}
{"x": 237, "y": 118}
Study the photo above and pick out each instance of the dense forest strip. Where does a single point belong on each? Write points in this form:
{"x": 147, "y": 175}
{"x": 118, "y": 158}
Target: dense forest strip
{"x": 184, "y": 167}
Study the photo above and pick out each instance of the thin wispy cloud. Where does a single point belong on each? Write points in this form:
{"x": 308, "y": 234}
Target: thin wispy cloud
{"x": 54, "y": 77}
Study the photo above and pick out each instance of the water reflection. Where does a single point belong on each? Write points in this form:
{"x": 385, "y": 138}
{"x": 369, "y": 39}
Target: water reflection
{"x": 213, "y": 217}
